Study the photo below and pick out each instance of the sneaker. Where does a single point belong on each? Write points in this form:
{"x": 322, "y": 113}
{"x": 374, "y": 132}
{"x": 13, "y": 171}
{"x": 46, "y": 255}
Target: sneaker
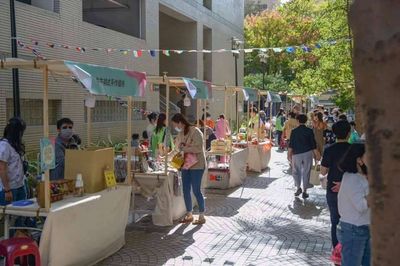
{"x": 298, "y": 192}
{"x": 305, "y": 195}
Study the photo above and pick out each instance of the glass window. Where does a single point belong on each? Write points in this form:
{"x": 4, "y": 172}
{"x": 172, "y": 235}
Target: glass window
{"x": 32, "y": 111}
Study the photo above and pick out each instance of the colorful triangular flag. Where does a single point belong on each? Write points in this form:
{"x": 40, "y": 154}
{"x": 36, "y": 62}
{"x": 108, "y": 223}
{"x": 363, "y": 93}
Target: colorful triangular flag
{"x": 152, "y": 53}
{"x": 166, "y": 52}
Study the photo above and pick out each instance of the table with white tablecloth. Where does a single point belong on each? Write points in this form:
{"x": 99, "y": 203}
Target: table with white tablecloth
{"x": 259, "y": 156}
{"x": 81, "y": 230}
{"x": 236, "y": 172}
{"x": 167, "y": 191}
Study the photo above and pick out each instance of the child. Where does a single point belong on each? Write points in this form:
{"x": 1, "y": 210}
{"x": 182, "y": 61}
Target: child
{"x": 135, "y": 140}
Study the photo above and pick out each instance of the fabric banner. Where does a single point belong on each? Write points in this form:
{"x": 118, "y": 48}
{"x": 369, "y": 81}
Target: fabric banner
{"x": 250, "y": 94}
{"x": 273, "y": 97}
{"x": 47, "y": 154}
{"x": 108, "y": 81}
{"x": 198, "y": 89}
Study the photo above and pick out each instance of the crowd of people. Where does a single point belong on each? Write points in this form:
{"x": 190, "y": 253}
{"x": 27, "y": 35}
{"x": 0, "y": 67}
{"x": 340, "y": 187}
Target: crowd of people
{"x": 333, "y": 142}
{"x": 317, "y": 137}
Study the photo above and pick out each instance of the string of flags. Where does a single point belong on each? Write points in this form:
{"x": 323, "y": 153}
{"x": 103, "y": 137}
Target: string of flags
{"x": 137, "y": 53}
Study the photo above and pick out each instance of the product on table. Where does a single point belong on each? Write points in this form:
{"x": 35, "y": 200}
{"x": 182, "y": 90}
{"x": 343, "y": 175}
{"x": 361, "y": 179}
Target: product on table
{"x": 221, "y": 146}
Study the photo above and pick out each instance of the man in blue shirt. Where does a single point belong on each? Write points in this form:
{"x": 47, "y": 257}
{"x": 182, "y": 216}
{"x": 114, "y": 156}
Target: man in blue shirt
{"x": 65, "y": 140}
{"x": 302, "y": 150}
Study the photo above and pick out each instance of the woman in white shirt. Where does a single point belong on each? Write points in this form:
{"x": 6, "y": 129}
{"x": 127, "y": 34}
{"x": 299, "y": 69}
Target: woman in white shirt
{"x": 353, "y": 230}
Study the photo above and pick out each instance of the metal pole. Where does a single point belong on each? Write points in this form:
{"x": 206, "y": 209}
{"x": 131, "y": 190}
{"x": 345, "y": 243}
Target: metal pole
{"x": 236, "y": 84}
{"x": 14, "y": 53}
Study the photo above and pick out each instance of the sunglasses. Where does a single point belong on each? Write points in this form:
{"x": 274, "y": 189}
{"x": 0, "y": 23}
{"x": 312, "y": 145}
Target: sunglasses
{"x": 65, "y": 127}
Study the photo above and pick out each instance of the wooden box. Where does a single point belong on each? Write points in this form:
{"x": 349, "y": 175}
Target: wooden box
{"x": 91, "y": 163}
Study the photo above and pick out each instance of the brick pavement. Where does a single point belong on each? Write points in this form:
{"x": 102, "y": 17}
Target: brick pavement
{"x": 260, "y": 223}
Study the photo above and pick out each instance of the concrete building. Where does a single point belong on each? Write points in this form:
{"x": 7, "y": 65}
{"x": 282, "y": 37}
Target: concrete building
{"x": 253, "y": 6}
{"x": 136, "y": 24}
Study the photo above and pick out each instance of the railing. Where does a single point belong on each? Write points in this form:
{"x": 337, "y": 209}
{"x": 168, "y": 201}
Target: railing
{"x": 172, "y": 107}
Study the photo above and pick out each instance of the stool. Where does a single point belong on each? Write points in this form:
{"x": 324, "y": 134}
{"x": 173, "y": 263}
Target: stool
{"x": 19, "y": 247}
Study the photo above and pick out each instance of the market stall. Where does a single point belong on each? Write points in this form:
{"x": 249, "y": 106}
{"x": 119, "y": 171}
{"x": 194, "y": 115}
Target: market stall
{"x": 258, "y": 146}
{"x": 159, "y": 180}
{"x": 77, "y": 217}
{"x": 226, "y": 164}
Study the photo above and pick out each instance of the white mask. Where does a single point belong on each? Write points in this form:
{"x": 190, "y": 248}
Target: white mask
{"x": 177, "y": 129}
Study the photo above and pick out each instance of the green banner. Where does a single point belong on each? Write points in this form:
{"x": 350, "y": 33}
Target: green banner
{"x": 250, "y": 94}
{"x": 100, "y": 80}
{"x": 198, "y": 89}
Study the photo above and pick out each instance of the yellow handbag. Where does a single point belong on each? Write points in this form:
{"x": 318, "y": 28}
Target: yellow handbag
{"x": 177, "y": 161}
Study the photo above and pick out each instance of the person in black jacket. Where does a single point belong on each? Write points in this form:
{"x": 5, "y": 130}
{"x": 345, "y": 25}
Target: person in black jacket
{"x": 302, "y": 150}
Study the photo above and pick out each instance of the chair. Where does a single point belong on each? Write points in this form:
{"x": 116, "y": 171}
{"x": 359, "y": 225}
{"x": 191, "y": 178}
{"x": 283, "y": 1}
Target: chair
{"x": 20, "y": 247}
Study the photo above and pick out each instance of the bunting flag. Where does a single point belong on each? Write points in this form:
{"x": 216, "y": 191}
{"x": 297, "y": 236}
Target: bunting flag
{"x": 167, "y": 52}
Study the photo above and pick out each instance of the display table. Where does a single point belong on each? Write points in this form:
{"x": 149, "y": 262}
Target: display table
{"x": 167, "y": 191}
{"x": 259, "y": 156}
{"x": 80, "y": 231}
{"x": 236, "y": 172}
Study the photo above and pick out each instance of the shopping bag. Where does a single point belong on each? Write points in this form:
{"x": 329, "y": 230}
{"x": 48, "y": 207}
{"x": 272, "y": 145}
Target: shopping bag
{"x": 324, "y": 181}
{"x": 336, "y": 256}
{"x": 190, "y": 160}
{"x": 314, "y": 175}
{"x": 177, "y": 161}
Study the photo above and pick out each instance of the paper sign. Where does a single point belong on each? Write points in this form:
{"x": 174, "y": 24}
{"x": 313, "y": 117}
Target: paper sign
{"x": 109, "y": 177}
{"x": 47, "y": 154}
{"x": 90, "y": 101}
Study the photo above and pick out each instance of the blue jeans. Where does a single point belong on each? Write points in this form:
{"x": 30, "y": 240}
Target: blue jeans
{"x": 332, "y": 201}
{"x": 18, "y": 194}
{"x": 191, "y": 179}
{"x": 356, "y": 246}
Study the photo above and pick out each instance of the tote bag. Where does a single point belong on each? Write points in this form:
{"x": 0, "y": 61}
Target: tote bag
{"x": 314, "y": 175}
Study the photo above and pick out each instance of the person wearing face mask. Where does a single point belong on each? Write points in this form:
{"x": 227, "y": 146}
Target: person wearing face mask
{"x": 65, "y": 140}
{"x": 190, "y": 141}
{"x": 353, "y": 229}
{"x": 11, "y": 164}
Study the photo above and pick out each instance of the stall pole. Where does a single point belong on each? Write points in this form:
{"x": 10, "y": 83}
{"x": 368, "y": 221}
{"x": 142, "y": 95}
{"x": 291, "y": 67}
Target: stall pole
{"x": 129, "y": 148}
{"x": 237, "y": 111}
{"x": 270, "y": 119}
{"x": 259, "y": 120}
{"x": 198, "y": 107}
{"x": 46, "y": 133}
{"x": 168, "y": 134}
{"x": 248, "y": 121}
{"x": 205, "y": 126}
{"x": 225, "y": 105}
{"x": 89, "y": 126}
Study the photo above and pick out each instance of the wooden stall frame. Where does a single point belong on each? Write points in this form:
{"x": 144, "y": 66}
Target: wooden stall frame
{"x": 58, "y": 67}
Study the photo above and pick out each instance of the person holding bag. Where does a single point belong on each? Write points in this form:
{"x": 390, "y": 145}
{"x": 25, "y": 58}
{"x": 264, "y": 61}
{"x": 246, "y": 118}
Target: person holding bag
{"x": 190, "y": 142}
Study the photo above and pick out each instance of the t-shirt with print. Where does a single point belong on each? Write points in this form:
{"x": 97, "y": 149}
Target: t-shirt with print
{"x": 331, "y": 158}
{"x": 14, "y": 163}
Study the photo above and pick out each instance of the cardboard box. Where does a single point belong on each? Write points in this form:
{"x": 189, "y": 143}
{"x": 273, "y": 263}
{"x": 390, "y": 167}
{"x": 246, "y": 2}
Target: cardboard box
{"x": 91, "y": 163}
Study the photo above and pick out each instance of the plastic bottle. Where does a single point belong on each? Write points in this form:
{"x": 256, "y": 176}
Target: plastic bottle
{"x": 79, "y": 191}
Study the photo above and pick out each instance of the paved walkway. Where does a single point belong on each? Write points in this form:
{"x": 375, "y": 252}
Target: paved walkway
{"x": 260, "y": 223}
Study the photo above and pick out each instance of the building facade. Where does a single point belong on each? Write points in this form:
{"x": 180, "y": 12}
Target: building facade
{"x": 134, "y": 24}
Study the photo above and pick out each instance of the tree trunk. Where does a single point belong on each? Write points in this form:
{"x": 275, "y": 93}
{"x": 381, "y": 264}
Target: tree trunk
{"x": 376, "y": 31}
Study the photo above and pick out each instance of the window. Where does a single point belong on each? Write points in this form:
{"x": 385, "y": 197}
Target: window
{"x": 32, "y": 111}
{"x": 110, "y": 111}
{"x": 51, "y": 5}
{"x": 125, "y": 16}
{"x": 207, "y": 4}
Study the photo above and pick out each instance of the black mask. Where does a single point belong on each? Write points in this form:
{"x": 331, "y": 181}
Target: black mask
{"x": 364, "y": 169}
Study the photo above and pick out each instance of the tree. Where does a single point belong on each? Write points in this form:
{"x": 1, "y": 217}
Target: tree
{"x": 315, "y": 66}
{"x": 275, "y": 83}
{"x": 376, "y": 65}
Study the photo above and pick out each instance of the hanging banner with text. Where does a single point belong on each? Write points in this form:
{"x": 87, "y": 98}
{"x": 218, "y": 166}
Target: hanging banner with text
{"x": 198, "y": 89}
{"x": 108, "y": 81}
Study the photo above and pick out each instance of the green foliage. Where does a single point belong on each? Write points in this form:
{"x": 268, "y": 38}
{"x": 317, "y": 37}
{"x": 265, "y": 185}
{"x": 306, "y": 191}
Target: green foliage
{"x": 296, "y": 23}
{"x": 275, "y": 83}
